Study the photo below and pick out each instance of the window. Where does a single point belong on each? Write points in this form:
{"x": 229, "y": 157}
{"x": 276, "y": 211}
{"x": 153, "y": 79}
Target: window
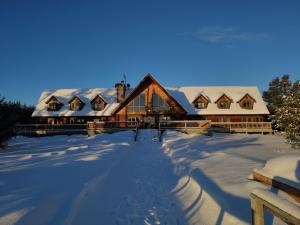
{"x": 247, "y": 104}
{"x": 224, "y": 104}
{"x": 76, "y": 106}
{"x": 137, "y": 104}
{"x": 200, "y": 105}
{"x": 53, "y": 106}
{"x": 98, "y": 106}
{"x": 159, "y": 104}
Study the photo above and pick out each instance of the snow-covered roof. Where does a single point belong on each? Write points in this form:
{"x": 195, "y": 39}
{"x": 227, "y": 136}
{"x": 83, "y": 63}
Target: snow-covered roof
{"x": 186, "y": 95}
{"x": 183, "y": 95}
{"x": 85, "y": 95}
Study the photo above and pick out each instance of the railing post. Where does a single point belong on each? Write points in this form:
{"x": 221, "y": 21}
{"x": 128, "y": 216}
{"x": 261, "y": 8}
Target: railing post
{"x": 257, "y": 210}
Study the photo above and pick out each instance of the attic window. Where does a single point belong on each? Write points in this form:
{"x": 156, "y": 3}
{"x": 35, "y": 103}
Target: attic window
{"x": 53, "y": 106}
{"x": 98, "y": 103}
{"x": 200, "y": 105}
{"x": 97, "y": 107}
{"x": 200, "y": 102}
{"x": 77, "y": 106}
{"x": 224, "y": 104}
{"x": 246, "y": 104}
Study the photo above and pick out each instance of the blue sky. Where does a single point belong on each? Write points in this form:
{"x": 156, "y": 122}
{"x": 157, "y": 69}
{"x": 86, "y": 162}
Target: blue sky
{"x": 70, "y": 44}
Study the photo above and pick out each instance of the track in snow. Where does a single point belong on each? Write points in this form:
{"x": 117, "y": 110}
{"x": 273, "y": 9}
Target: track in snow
{"x": 136, "y": 190}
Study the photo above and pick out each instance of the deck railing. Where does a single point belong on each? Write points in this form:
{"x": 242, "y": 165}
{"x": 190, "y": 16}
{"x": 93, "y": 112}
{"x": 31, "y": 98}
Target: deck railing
{"x": 185, "y": 124}
{"x": 243, "y": 125}
{"x": 112, "y": 125}
{"x": 49, "y": 126}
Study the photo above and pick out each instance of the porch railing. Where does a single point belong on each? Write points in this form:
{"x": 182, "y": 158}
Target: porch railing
{"x": 49, "y": 126}
{"x": 185, "y": 124}
{"x": 243, "y": 125}
{"x": 112, "y": 124}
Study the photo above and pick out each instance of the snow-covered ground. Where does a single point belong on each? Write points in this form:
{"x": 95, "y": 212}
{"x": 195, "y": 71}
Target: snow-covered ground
{"x": 110, "y": 179}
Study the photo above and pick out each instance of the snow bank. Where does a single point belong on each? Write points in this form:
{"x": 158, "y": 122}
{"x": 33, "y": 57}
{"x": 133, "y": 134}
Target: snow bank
{"x": 285, "y": 169}
{"x": 110, "y": 179}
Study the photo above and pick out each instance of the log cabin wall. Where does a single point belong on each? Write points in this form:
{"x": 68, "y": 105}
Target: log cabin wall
{"x": 236, "y": 118}
{"x": 148, "y": 89}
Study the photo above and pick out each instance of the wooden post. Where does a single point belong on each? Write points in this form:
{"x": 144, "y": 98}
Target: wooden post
{"x": 257, "y": 211}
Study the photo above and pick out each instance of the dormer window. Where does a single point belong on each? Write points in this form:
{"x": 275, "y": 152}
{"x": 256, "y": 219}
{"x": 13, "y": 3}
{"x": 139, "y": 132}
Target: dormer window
{"x": 200, "y": 102}
{"x": 247, "y": 102}
{"x": 98, "y": 103}
{"x": 224, "y": 102}
{"x": 53, "y": 104}
{"x": 224, "y": 105}
{"x": 97, "y": 107}
{"x": 76, "y": 104}
{"x": 200, "y": 105}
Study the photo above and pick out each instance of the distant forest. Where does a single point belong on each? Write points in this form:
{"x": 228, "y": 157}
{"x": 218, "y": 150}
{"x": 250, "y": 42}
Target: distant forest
{"x": 11, "y": 113}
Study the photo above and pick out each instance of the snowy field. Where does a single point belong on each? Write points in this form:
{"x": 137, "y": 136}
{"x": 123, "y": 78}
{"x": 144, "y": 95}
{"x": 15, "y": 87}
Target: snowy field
{"x": 109, "y": 179}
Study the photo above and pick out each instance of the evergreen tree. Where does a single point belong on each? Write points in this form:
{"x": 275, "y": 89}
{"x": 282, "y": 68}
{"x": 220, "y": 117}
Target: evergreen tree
{"x": 11, "y": 113}
{"x": 277, "y": 88}
{"x": 271, "y": 96}
{"x": 287, "y": 117}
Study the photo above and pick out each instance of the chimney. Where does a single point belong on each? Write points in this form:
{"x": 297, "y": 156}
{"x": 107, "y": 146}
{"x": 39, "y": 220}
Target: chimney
{"x": 121, "y": 89}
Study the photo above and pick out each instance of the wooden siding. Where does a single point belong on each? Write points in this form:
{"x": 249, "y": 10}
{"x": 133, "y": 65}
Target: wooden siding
{"x": 236, "y": 118}
{"x": 148, "y": 87}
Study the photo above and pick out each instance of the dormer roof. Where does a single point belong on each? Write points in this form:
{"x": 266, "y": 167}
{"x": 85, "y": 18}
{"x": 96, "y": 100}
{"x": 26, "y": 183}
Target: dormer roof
{"x": 96, "y": 98}
{"x": 224, "y": 96}
{"x": 246, "y": 96}
{"x": 201, "y": 96}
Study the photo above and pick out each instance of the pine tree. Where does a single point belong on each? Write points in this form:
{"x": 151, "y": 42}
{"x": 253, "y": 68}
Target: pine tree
{"x": 287, "y": 117}
{"x": 272, "y": 95}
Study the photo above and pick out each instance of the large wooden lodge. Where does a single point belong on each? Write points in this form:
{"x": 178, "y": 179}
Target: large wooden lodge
{"x": 150, "y": 102}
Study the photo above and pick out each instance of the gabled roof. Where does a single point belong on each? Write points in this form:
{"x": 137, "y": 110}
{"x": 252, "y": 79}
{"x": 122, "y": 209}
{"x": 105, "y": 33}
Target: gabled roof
{"x": 224, "y": 96}
{"x": 186, "y": 95}
{"x": 86, "y": 96}
{"x": 148, "y": 79}
{"x": 182, "y": 96}
{"x": 75, "y": 97}
{"x": 51, "y": 98}
{"x": 245, "y": 96}
{"x": 98, "y": 97}
{"x": 200, "y": 96}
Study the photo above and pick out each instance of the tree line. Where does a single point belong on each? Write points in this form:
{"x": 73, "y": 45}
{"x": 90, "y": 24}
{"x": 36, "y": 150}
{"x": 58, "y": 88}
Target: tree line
{"x": 12, "y": 113}
{"x": 283, "y": 102}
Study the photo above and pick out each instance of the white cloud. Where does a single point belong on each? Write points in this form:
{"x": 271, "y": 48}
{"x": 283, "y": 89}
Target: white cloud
{"x": 227, "y": 35}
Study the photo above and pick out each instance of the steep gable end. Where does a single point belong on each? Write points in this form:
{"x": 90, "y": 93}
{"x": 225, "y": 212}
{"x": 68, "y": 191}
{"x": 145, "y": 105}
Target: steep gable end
{"x": 224, "y": 102}
{"x": 200, "y": 102}
{"x": 76, "y": 104}
{"x": 98, "y": 103}
{"x": 246, "y": 102}
{"x": 150, "y": 87}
